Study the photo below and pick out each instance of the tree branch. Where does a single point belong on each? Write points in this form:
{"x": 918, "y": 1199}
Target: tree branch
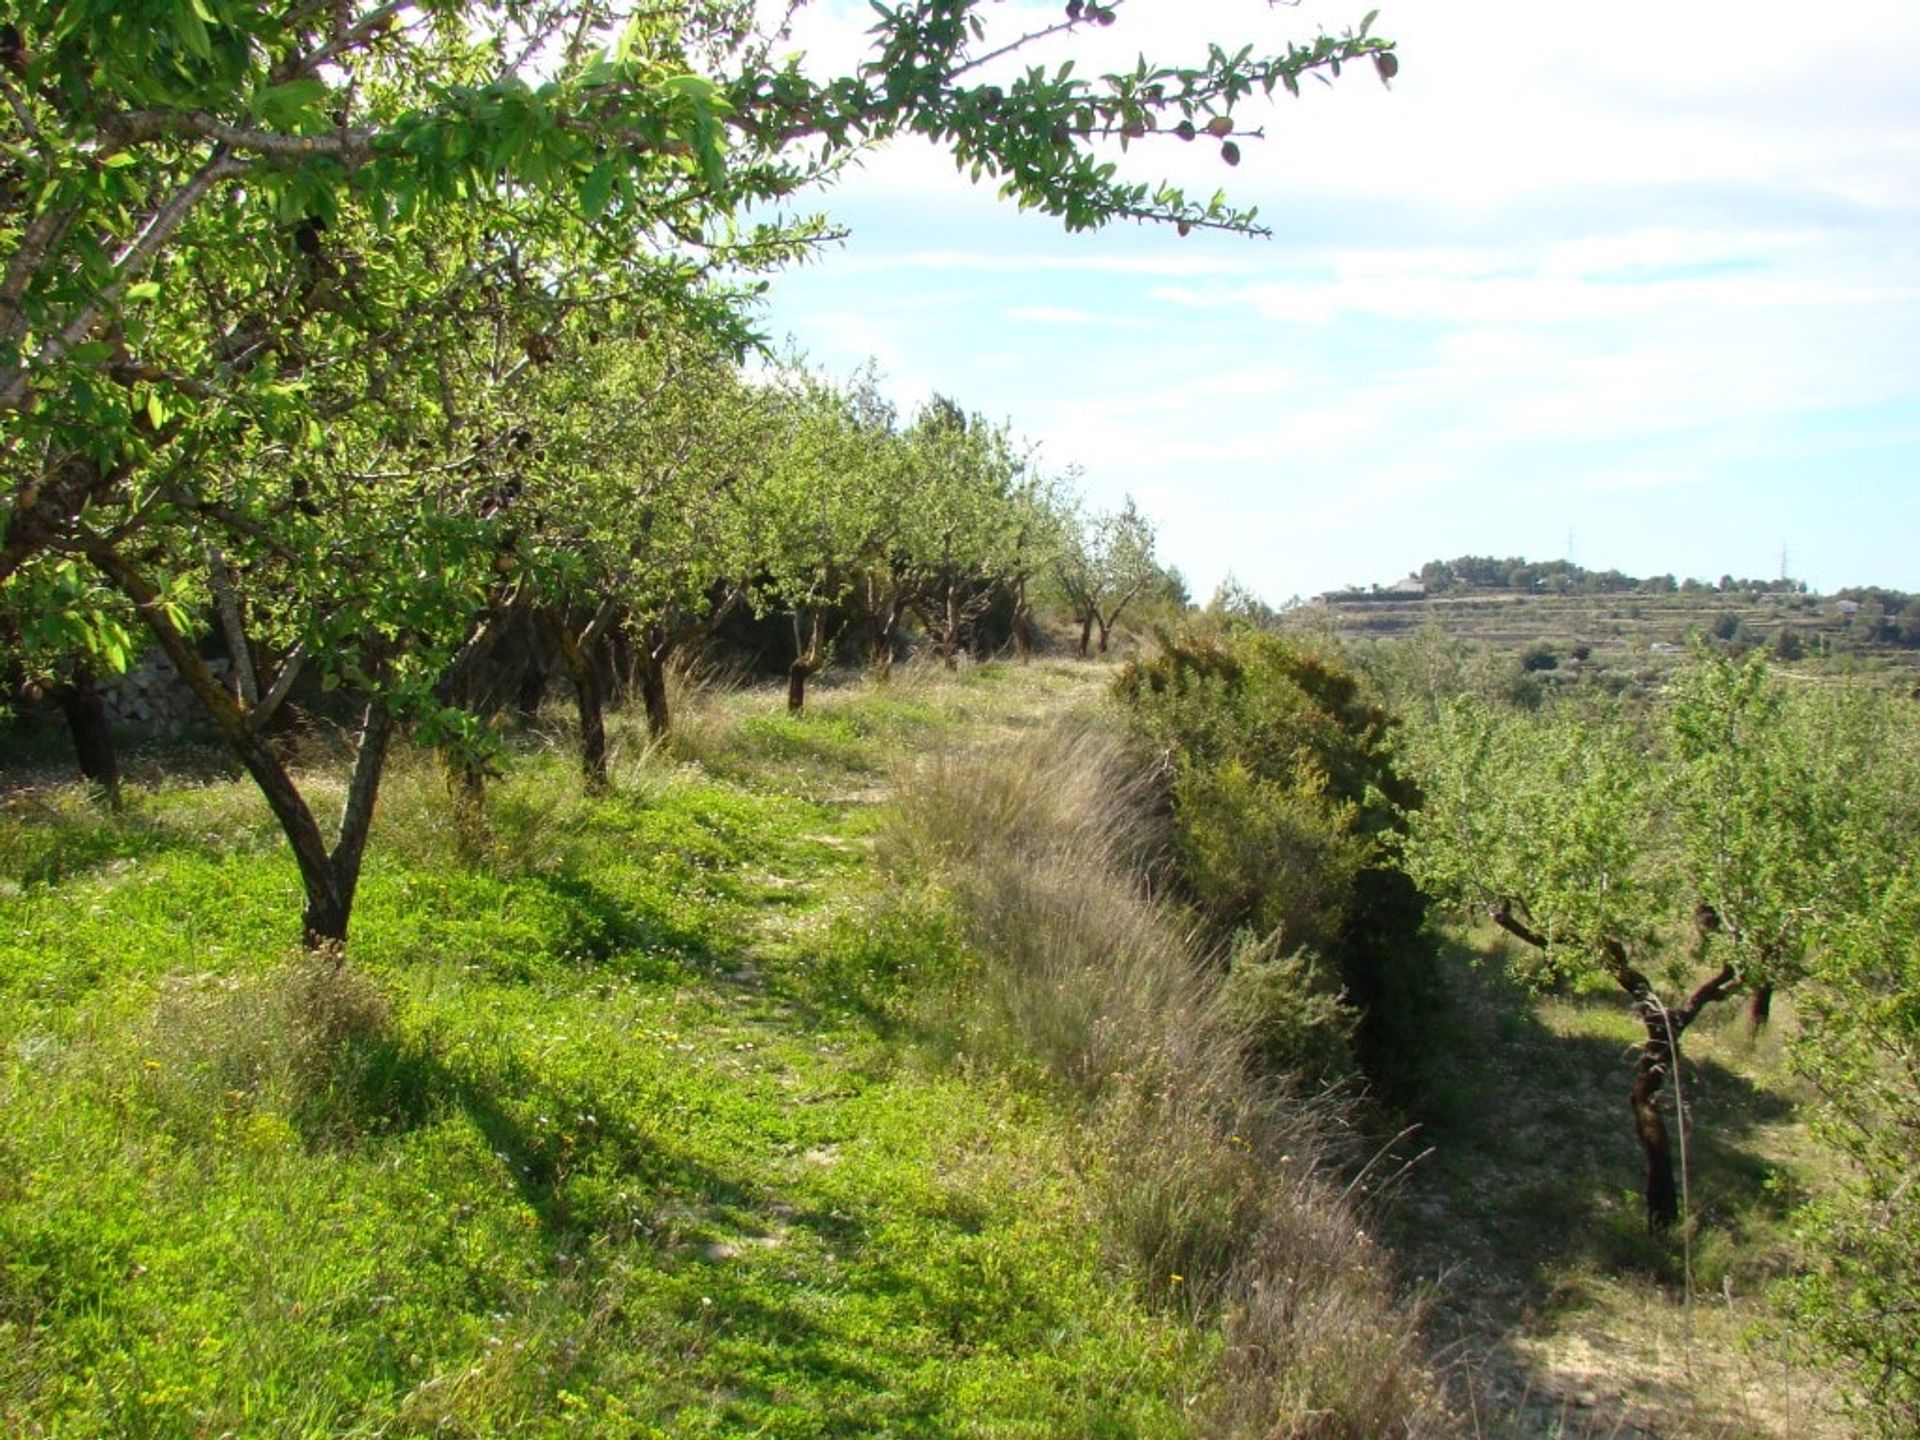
{"x": 43, "y": 233}
{"x": 370, "y": 26}
{"x": 133, "y": 263}
{"x": 1501, "y": 913}
{"x": 282, "y": 686}
{"x": 1718, "y": 988}
{"x": 351, "y": 145}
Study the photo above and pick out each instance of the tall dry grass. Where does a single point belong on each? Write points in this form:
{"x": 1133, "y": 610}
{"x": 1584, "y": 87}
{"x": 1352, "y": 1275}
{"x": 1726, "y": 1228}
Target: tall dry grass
{"x": 1218, "y": 1188}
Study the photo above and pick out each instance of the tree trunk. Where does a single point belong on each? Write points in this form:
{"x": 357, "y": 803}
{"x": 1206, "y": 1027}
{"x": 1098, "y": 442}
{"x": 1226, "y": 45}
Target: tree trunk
{"x": 652, "y": 666}
{"x": 326, "y": 928}
{"x": 1659, "y": 1058}
{"x": 533, "y": 688}
{"x": 467, "y": 784}
{"x": 329, "y": 878}
{"x": 808, "y": 655}
{"x": 591, "y": 703}
{"x": 1105, "y": 625}
{"x": 1086, "y": 636}
{"x": 1022, "y": 623}
{"x": 950, "y": 640}
{"x": 80, "y": 702}
{"x": 1649, "y": 1076}
{"x": 882, "y": 622}
{"x": 233, "y": 629}
{"x": 582, "y": 660}
{"x": 1759, "y": 1008}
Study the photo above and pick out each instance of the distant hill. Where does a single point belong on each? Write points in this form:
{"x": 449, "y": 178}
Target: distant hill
{"x": 1560, "y": 617}
{"x": 1468, "y": 573}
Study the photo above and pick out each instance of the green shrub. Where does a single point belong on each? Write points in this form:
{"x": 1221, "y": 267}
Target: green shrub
{"x": 1284, "y": 791}
{"x": 1861, "y": 1302}
{"x": 1257, "y": 852}
{"x": 1291, "y": 1010}
{"x": 1539, "y": 656}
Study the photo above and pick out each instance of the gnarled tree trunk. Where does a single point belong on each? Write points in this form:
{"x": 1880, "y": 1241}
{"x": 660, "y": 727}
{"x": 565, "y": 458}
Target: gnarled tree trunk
{"x": 1658, "y": 1058}
{"x": 329, "y": 876}
{"x": 1650, "y": 1071}
{"x": 809, "y": 656}
{"x": 85, "y": 710}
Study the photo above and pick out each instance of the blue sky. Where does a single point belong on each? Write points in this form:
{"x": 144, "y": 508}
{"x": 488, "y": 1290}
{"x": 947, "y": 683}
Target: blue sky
{"x": 1641, "y": 283}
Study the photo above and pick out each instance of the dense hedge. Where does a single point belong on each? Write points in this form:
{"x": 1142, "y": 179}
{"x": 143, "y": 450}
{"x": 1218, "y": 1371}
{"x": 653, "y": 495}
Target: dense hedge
{"x": 1285, "y": 798}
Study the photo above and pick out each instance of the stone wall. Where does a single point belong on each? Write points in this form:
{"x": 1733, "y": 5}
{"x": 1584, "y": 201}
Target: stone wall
{"x": 152, "y": 698}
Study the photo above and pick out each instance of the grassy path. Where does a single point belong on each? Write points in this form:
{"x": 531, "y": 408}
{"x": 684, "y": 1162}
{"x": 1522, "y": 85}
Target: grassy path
{"x": 606, "y": 1133}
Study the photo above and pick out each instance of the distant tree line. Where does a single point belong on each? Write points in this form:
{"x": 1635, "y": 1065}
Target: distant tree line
{"x": 1487, "y": 572}
{"x": 1885, "y": 617}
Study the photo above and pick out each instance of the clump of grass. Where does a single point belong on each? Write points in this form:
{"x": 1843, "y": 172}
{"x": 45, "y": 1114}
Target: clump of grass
{"x": 529, "y": 821}
{"x": 1218, "y": 1185}
{"x": 310, "y": 1043}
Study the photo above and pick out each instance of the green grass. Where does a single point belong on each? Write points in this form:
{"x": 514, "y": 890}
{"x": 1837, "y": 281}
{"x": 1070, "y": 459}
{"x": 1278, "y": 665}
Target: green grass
{"x": 839, "y": 1075}
{"x": 609, "y": 1128}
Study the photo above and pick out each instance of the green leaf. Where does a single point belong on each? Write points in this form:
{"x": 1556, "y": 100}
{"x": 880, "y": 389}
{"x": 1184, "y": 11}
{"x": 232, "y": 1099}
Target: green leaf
{"x": 290, "y": 103}
{"x": 598, "y": 190}
{"x": 191, "y": 28}
{"x": 143, "y": 290}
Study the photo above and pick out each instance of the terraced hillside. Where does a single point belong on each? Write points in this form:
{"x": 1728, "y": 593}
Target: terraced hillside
{"x": 1634, "y": 636}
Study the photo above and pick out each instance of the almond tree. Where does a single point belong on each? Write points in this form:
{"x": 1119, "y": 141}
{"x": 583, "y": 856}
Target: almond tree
{"x": 1599, "y": 843}
{"x": 649, "y": 454}
{"x": 1106, "y": 568}
{"x": 825, "y": 507}
{"x": 270, "y": 276}
{"x": 965, "y": 520}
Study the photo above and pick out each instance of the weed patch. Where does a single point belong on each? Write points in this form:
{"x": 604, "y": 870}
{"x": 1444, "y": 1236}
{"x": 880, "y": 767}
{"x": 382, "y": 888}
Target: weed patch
{"x": 1213, "y": 1186}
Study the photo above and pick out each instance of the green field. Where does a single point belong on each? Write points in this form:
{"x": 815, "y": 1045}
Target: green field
{"x": 833, "y": 1076}
{"x": 636, "y": 1120}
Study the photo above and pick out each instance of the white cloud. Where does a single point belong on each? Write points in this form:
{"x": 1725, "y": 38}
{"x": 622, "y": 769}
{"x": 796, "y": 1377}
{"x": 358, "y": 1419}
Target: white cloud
{"x": 1628, "y": 256}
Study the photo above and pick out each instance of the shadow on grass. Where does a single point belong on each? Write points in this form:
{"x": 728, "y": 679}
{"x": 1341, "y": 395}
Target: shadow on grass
{"x": 1534, "y": 1184}
{"x": 644, "y": 945}
{"x": 770, "y": 1347}
{"x": 1535, "y": 1162}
